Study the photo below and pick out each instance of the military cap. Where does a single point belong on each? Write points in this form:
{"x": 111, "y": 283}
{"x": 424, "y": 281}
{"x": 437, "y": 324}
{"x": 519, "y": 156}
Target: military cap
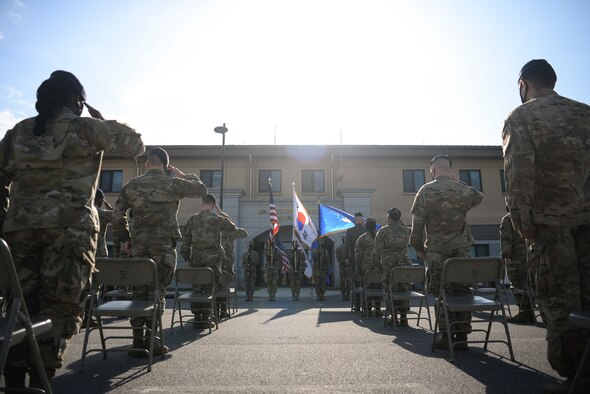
{"x": 70, "y": 81}
{"x": 160, "y": 154}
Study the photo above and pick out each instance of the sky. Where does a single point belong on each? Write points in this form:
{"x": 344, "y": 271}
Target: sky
{"x": 421, "y": 72}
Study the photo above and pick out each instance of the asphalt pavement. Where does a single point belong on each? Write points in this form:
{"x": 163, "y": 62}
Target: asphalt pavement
{"x": 308, "y": 347}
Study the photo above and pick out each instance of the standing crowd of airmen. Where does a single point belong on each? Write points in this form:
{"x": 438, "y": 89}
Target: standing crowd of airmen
{"x": 54, "y": 224}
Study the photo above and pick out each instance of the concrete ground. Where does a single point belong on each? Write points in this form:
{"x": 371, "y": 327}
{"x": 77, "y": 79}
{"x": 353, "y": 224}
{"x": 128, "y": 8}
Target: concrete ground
{"x": 309, "y": 347}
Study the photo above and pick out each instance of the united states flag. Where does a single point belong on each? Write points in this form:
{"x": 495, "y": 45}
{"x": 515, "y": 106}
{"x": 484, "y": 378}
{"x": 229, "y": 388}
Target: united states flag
{"x": 274, "y": 230}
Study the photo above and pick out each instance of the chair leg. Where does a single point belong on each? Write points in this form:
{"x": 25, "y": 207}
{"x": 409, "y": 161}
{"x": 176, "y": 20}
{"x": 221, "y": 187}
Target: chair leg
{"x": 37, "y": 359}
{"x": 428, "y": 312}
{"x": 436, "y": 324}
{"x": 485, "y": 345}
{"x": 449, "y": 335}
{"x": 508, "y": 339}
{"x": 102, "y": 339}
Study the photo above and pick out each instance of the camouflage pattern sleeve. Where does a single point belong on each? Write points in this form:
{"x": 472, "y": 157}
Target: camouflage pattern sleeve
{"x": 358, "y": 253}
{"x": 5, "y": 175}
{"x": 240, "y": 233}
{"x": 120, "y": 225}
{"x": 227, "y": 225}
{"x": 185, "y": 249}
{"x": 519, "y": 171}
{"x": 189, "y": 186}
{"x": 506, "y": 237}
{"x": 418, "y": 222}
{"x": 378, "y": 247}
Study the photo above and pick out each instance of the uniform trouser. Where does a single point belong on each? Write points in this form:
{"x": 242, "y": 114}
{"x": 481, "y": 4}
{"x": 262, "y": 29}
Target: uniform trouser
{"x": 272, "y": 279}
{"x": 249, "y": 280}
{"x": 163, "y": 252}
{"x": 54, "y": 268}
{"x": 560, "y": 262}
{"x": 345, "y": 279}
{"x": 435, "y": 262}
{"x": 295, "y": 281}
{"x": 319, "y": 277}
{"x": 517, "y": 270}
{"x": 401, "y": 306}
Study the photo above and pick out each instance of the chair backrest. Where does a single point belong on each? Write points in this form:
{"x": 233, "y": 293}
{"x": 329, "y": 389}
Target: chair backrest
{"x": 136, "y": 271}
{"x": 195, "y": 276}
{"x": 472, "y": 270}
{"x": 407, "y": 275}
{"x": 373, "y": 277}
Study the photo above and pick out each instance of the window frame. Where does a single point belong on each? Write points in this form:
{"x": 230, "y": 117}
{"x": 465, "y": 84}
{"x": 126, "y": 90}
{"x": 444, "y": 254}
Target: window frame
{"x": 313, "y": 181}
{"x": 211, "y": 177}
{"x": 276, "y": 186}
{"x": 470, "y": 181}
{"x": 111, "y": 174}
{"x": 413, "y": 173}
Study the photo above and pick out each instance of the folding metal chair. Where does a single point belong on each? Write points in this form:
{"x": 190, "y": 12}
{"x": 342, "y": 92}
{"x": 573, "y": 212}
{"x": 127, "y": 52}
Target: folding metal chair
{"x": 468, "y": 271}
{"x": 409, "y": 275}
{"x": 372, "y": 289}
{"x": 581, "y": 319}
{"x": 202, "y": 277}
{"x": 124, "y": 272}
{"x": 16, "y": 324}
{"x": 223, "y": 296}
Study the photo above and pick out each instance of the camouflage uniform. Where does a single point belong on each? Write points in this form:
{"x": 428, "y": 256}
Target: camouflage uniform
{"x": 345, "y": 272}
{"x": 320, "y": 270}
{"x": 390, "y": 250}
{"x": 105, "y": 217}
{"x": 51, "y": 223}
{"x": 547, "y": 161}
{"x": 154, "y": 198}
{"x": 439, "y": 211}
{"x": 365, "y": 262}
{"x": 272, "y": 271}
{"x": 298, "y": 264}
{"x": 250, "y": 261}
{"x": 514, "y": 250}
{"x": 352, "y": 234}
{"x": 227, "y": 241}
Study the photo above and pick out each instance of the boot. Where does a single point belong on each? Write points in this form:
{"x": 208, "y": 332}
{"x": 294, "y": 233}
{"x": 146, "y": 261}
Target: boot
{"x": 442, "y": 342}
{"x": 403, "y": 320}
{"x": 137, "y": 349}
{"x": 159, "y": 348}
{"x": 14, "y": 377}
{"x": 523, "y": 317}
{"x": 459, "y": 338}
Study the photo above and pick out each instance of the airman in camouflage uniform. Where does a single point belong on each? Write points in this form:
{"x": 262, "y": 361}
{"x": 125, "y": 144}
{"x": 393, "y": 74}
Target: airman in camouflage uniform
{"x": 105, "y": 217}
{"x": 272, "y": 268}
{"x": 514, "y": 253}
{"x": 201, "y": 244}
{"x": 345, "y": 271}
{"x": 154, "y": 198}
{"x": 250, "y": 261}
{"x": 320, "y": 270}
{"x": 390, "y": 250}
{"x": 352, "y": 234}
{"x": 546, "y": 143}
{"x": 439, "y": 212}
{"x": 364, "y": 258}
{"x": 298, "y": 264}
{"x": 49, "y": 168}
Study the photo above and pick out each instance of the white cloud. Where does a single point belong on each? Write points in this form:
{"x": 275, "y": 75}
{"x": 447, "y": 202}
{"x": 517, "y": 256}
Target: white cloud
{"x": 14, "y": 17}
{"x": 7, "y": 120}
{"x": 10, "y": 93}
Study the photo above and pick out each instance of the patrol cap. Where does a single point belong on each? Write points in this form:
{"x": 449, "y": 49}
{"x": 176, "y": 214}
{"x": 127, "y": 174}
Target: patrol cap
{"x": 394, "y": 214}
{"x": 160, "y": 154}
{"x": 537, "y": 67}
{"x": 99, "y": 194}
{"x": 444, "y": 157}
{"x": 70, "y": 81}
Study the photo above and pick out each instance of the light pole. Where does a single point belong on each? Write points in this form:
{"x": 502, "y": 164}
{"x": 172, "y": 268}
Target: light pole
{"x": 221, "y": 130}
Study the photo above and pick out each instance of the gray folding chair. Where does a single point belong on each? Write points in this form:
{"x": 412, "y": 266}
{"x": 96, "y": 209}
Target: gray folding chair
{"x": 16, "y": 324}
{"x": 202, "y": 277}
{"x": 223, "y": 296}
{"x": 124, "y": 272}
{"x": 469, "y": 271}
{"x": 372, "y": 289}
{"x": 582, "y": 320}
{"x": 409, "y": 275}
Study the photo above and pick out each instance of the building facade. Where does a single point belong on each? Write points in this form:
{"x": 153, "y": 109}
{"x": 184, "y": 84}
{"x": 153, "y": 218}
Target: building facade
{"x": 365, "y": 178}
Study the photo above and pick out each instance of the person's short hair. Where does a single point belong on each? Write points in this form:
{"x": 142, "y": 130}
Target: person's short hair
{"x": 394, "y": 214}
{"x": 371, "y": 224}
{"x": 441, "y": 157}
{"x": 208, "y": 199}
{"x": 539, "y": 72}
{"x": 161, "y": 154}
{"x": 99, "y": 194}
{"x": 358, "y": 214}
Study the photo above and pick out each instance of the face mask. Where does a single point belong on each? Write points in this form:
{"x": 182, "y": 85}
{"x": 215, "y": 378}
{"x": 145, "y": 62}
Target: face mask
{"x": 523, "y": 97}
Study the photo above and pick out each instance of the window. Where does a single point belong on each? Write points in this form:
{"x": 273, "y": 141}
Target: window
{"x": 274, "y": 175}
{"x": 479, "y": 250}
{"x": 111, "y": 181}
{"x": 413, "y": 180}
{"x": 472, "y": 178}
{"x": 313, "y": 180}
{"x": 211, "y": 178}
{"x": 502, "y": 181}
